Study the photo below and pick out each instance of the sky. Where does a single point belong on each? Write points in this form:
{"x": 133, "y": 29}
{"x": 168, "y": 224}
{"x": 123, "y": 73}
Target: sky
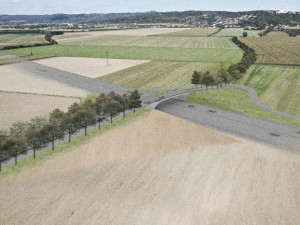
{"x": 33, "y": 7}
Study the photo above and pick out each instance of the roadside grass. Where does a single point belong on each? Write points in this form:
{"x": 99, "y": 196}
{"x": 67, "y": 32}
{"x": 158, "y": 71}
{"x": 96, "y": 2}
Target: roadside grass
{"x": 236, "y": 100}
{"x": 275, "y": 50}
{"x": 238, "y": 32}
{"x": 160, "y": 77}
{"x": 195, "y": 32}
{"x": 155, "y": 41}
{"x": 276, "y": 86}
{"x": 68, "y": 146}
{"x": 127, "y": 52}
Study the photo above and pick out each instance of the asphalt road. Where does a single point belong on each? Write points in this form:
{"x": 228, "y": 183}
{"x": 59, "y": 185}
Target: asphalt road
{"x": 278, "y": 135}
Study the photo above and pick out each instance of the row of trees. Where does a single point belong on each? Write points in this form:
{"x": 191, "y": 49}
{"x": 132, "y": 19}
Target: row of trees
{"x": 40, "y": 131}
{"x": 213, "y": 79}
{"x": 249, "y": 57}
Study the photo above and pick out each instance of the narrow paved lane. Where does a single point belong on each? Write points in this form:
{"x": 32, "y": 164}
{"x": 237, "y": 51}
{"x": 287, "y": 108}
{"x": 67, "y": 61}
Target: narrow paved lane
{"x": 275, "y": 134}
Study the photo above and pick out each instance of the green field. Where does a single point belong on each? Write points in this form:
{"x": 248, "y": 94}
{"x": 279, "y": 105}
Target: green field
{"x": 275, "y": 50}
{"x": 236, "y": 100}
{"x": 277, "y": 34}
{"x": 276, "y": 86}
{"x": 238, "y": 32}
{"x": 126, "y": 52}
{"x": 196, "y": 32}
{"x": 21, "y": 39}
{"x": 155, "y": 41}
{"x": 158, "y": 76}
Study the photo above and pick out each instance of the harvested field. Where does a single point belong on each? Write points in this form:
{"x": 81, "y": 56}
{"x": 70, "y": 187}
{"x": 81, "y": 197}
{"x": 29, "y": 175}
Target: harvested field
{"x": 89, "y": 67}
{"x": 275, "y": 50}
{"x": 14, "y": 79}
{"x": 276, "y": 86}
{"x": 16, "y": 107}
{"x": 160, "y": 76}
{"x": 195, "y": 32}
{"x": 157, "y": 41}
{"x": 130, "y": 32}
{"x": 162, "y": 170}
{"x": 238, "y": 32}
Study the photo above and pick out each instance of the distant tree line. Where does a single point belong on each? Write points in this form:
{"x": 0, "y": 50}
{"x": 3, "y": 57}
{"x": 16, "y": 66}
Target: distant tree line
{"x": 39, "y": 132}
{"x": 249, "y": 57}
{"x": 292, "y": 32}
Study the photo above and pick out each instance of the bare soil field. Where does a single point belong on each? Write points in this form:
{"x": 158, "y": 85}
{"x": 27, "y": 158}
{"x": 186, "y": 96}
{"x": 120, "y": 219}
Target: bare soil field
{"x": 16, "y": 107}
{"x": 89, "y": 67}
{"x": 14, "y": 79}
{"x": 157, "y": 170}
{"x": 131, "y": 32}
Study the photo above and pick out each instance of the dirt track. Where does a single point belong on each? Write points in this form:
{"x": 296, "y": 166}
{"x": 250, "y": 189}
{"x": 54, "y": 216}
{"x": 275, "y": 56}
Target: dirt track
{"x": 89, "y": 67}
{"x": 158, "y": 170}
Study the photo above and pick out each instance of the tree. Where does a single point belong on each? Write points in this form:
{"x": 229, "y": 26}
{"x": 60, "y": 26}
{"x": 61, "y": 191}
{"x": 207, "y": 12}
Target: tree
{"x": 4, "y": 153}
{"x": 56, "y": 115}
{"x": 85, "y": 117}
{"x": 99, "y": 108}
{"x": 18, "y": 128}
{"x": 217, "y": 80}
{"x": 112, "y": 108}
{"x": 125, "y": 103}
{"x": 69, "y": 124}
{"x": 74, "y": 108}
{"x": 34, "y": 138}
{"x": 207, "y": 79}
{"x": 245, "y": 34}
{"x": 196, "y": 78}
{"x": 135, "y": 100}
{"x": 16, "y": 145}
{"x": 51, "y": 132}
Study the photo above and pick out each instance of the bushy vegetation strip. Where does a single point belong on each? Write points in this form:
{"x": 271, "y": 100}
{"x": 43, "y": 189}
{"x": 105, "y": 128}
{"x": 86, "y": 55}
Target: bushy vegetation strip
{"x": 40, "y": 132}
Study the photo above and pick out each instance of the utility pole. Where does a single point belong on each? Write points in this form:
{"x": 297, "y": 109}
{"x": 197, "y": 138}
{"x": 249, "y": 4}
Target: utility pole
{"x": 106, "y": 54}
{"x": 31, "y": 51}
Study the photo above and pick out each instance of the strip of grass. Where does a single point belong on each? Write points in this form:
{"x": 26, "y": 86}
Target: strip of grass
{"x": 276, "y": 86}
{"x": 195, "y": 32}
{"x": 239, "y": 101}
{"x": 155, "y": 41}
{"x": 127, "y": 52}
{"x": 67, "y": 146}
{"x": 238, "y": 32}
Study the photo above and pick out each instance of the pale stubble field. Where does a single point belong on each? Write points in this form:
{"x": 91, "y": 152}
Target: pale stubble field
{"x": 158, "y": 170}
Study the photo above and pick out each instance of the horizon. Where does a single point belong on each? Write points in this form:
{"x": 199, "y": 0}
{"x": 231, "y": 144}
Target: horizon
{"x": 41, "y": 7}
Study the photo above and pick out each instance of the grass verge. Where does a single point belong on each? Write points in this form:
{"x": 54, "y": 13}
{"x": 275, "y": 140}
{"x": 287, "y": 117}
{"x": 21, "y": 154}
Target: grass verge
{"x": 67, "y": 146}
{"x": 239, "y": 101}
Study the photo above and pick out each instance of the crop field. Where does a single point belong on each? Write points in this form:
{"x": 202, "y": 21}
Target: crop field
{"x": 276, "y": 86}
{"x": 275, "y": 50}
{"x": 160, "y": 76}
{"x": 156, "y": 41}
{"x": 89, "y": 67}
{"x": 195, "y": 32}
{"x": 129, "y": 32}
{"x": 238, "y": 32}
{"x": 139, "y": 53}
{"x": 16, "y": 107}
{"x": 277, "y": 34}
{"x": 237, "y": 100}
{"x": 17, "y": 39}
{"x": 14, "y": 79}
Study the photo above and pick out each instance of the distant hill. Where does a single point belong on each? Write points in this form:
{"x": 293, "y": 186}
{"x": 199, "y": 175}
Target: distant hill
{"x": 63, "y": 18}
